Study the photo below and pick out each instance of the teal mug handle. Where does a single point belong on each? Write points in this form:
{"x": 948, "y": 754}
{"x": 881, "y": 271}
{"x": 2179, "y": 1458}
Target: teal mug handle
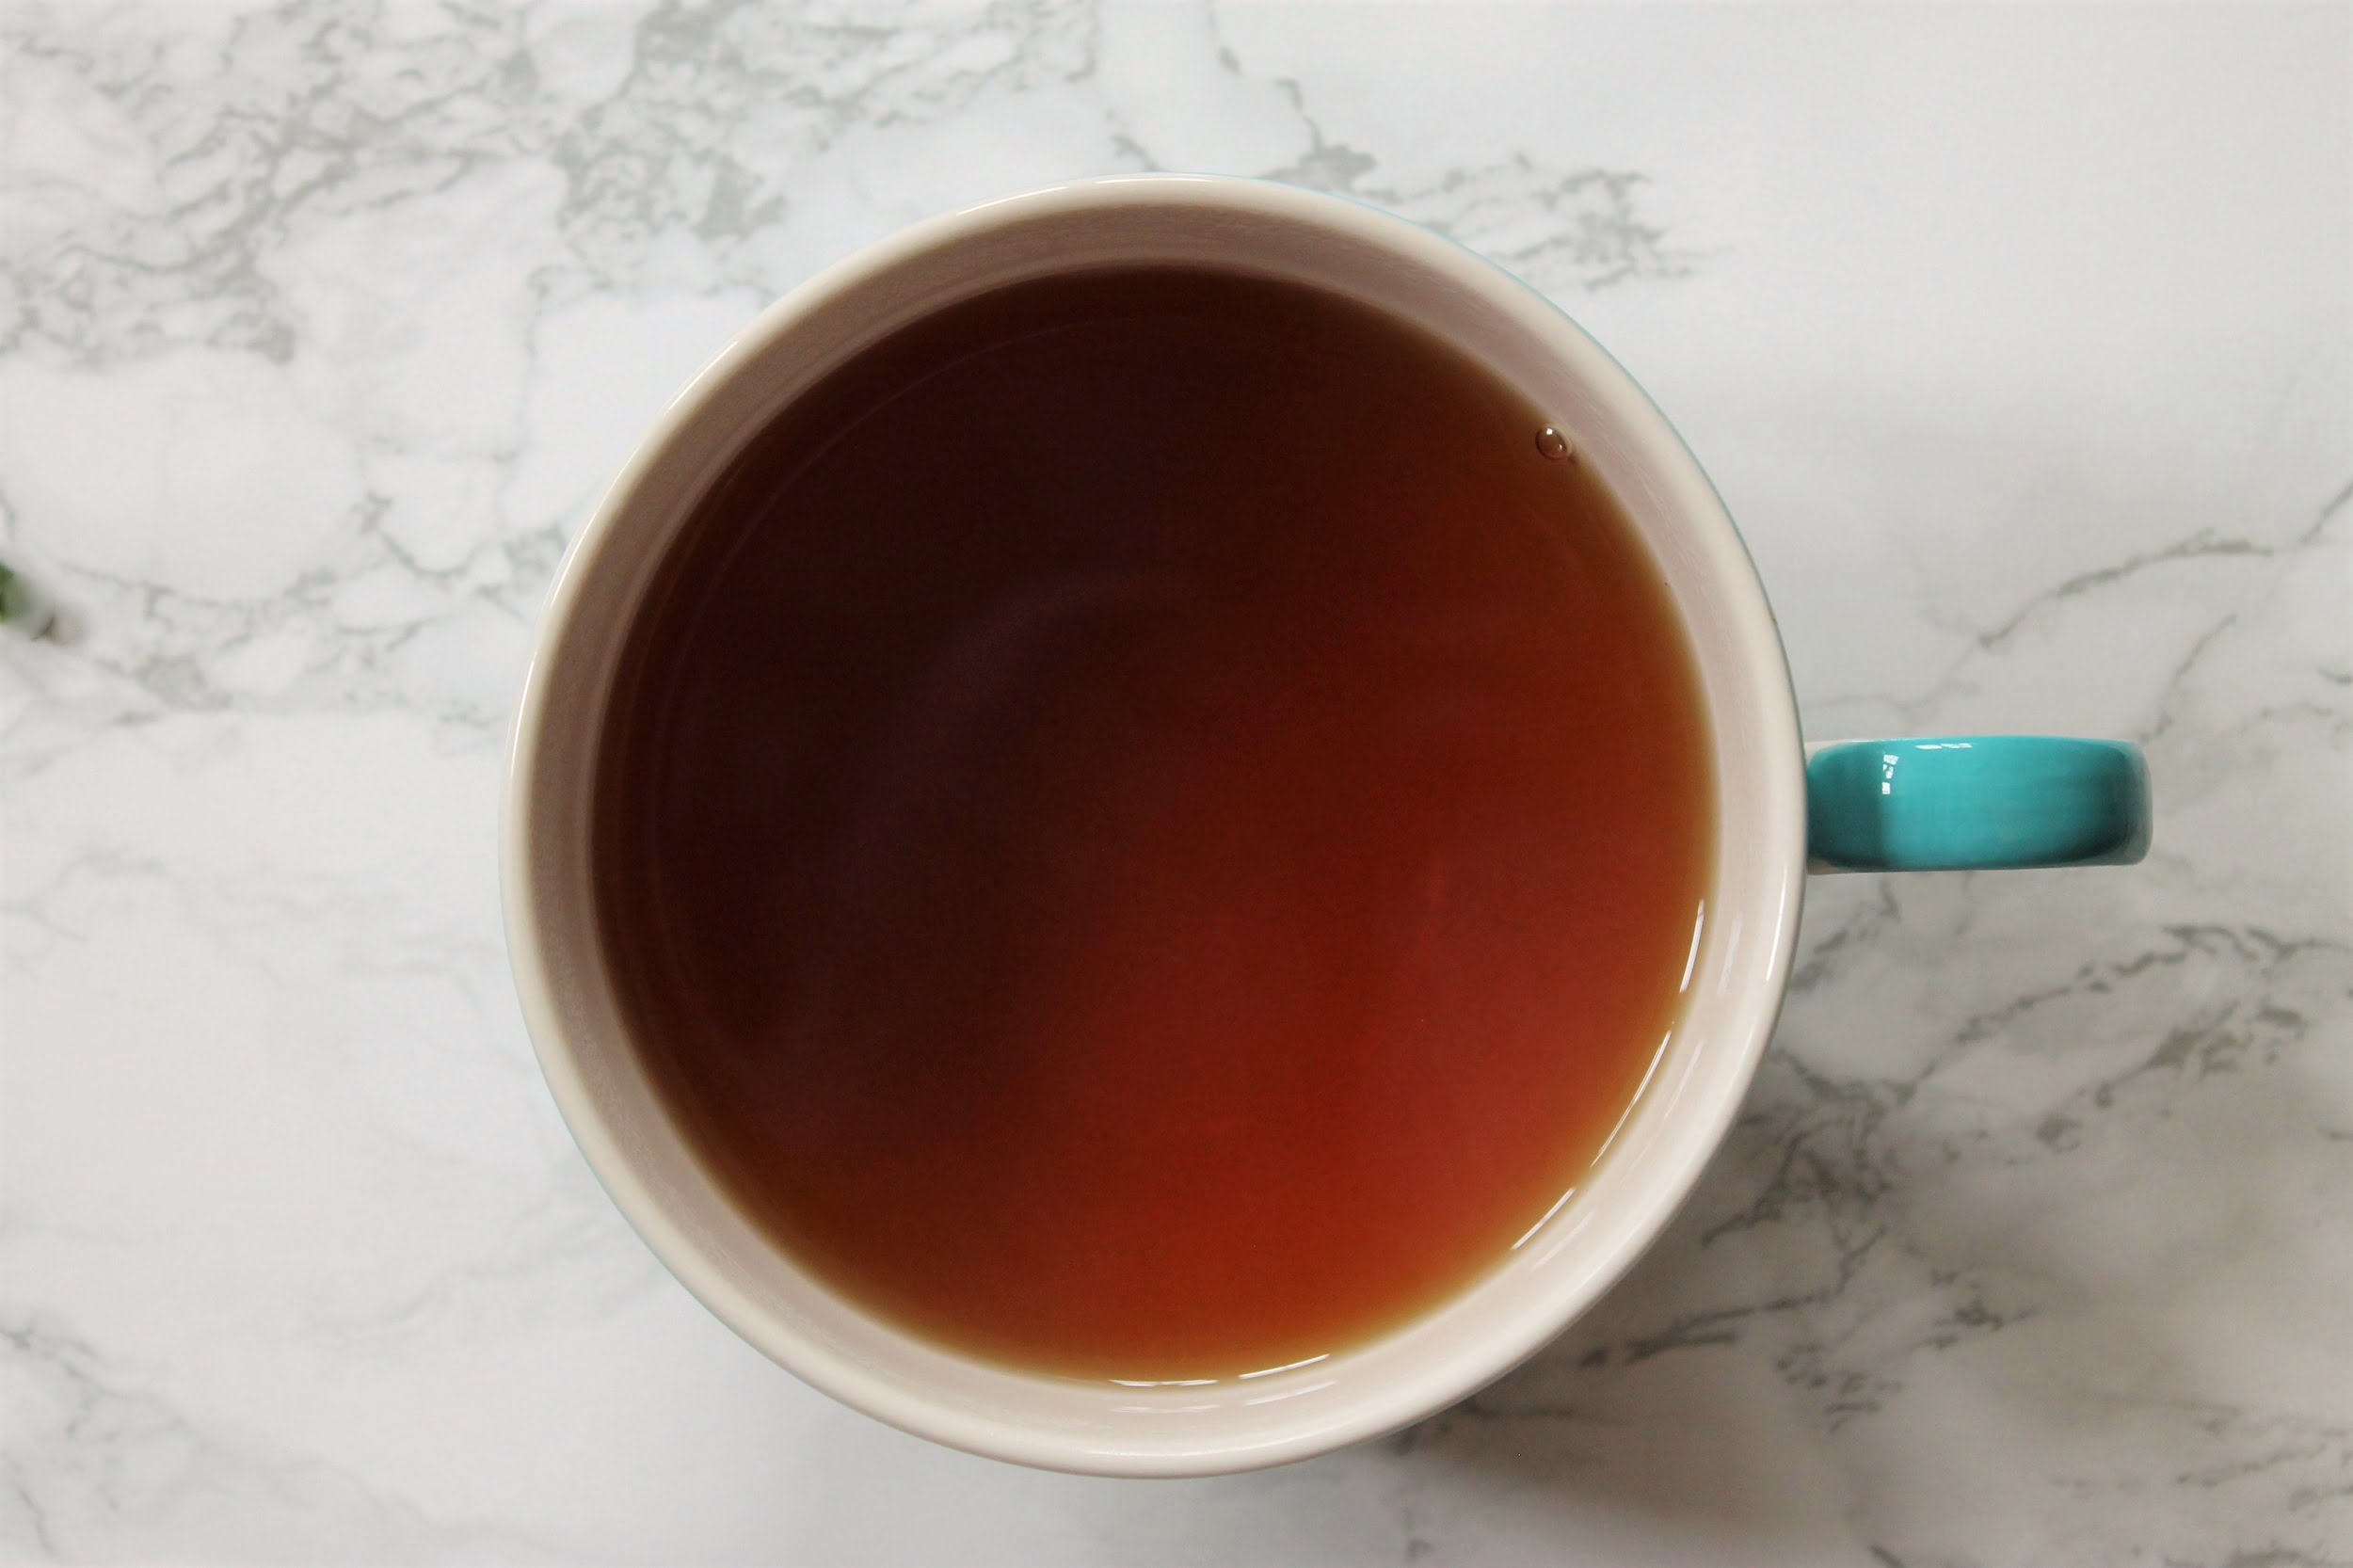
{"x": 1975, "y": 803}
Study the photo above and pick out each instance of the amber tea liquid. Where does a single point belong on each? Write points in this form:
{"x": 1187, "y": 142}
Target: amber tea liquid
{"x": 1151, "y": 828}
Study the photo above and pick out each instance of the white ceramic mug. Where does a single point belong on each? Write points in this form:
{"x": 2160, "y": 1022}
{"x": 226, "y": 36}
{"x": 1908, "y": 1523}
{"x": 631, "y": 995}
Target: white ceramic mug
{"x": 1734, "y": 982}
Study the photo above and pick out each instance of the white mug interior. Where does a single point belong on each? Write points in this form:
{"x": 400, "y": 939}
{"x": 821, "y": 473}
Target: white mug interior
{"x": 1732, "y": 984}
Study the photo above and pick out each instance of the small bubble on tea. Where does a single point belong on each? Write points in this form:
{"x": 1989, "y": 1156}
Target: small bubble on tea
{"x": 1553, "y": 444}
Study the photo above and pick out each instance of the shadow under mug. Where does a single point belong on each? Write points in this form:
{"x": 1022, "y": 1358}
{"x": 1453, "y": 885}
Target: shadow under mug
{"x": 1949, "y": 802}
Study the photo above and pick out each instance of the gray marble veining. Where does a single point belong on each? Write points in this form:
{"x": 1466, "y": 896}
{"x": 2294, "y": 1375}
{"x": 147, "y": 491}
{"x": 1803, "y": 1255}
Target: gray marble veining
{"x": 2018, "y": 338}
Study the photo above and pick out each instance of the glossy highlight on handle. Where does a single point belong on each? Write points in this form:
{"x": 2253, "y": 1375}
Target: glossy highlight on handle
{"x": 1975, "y": 803}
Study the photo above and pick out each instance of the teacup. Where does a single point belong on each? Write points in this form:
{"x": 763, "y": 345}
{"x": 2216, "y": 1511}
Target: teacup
{"x": 1978, "y": 802}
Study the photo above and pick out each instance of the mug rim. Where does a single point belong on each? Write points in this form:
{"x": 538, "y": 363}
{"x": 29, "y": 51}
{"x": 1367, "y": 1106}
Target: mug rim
{"x": 542, "y": 972}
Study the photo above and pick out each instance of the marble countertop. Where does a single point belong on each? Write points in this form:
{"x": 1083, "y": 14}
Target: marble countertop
{"x": 2017, "y": 338}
